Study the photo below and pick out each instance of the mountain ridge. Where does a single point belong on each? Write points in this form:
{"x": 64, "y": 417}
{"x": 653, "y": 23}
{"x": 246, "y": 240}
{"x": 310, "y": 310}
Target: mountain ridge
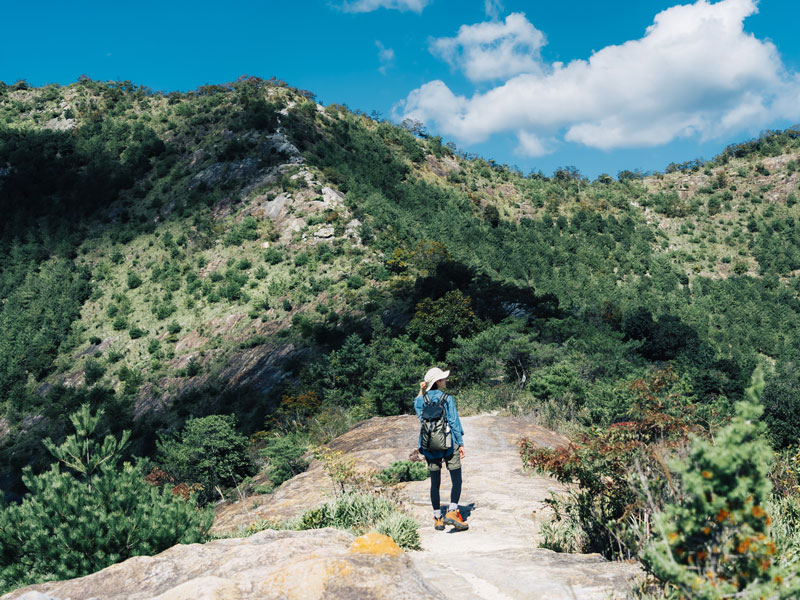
{"x": 221, "y": 242}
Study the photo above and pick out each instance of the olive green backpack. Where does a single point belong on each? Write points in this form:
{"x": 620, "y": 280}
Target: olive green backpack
{"x": 435, "y": 430}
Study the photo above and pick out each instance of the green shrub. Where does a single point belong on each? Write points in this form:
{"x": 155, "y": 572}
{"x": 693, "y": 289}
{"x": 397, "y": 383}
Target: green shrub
{"x": 119, "y": 323}
{"x": 437, "y": 323}
{"x": 135, "y": 332}
{"x": 273, "y": 256}
{"x": 740, "y": 268}
{"x": 355, "y": 282}
{"x": 285, "y": 456}
{"x": 716, "y": 542}
{"x": 781, "y": 400}
{"x": 608, "y": 505}
{"x": 324, "y": 253}
{"x": 207, "y": 451}
{"x": 192, "y": 368}
{"x": 93, "y": 371}
{"x": 231, "y": 290}
{"x": 404, "y": 470}
{"x": 132, "y": 379}
{"x": 164, "y": 309}
{"x": 88, "y": 512}
{"x": 174, "y": 327}
{"x": 359, "y": 512}
{"x": 561, "y": 534}
{"x": 402, "y": 528}
{"x": 134, "y": 281}
{"x": 246, "y": 230}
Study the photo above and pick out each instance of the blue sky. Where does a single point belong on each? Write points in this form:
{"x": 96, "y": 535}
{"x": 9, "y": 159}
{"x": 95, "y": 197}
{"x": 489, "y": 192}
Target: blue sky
{"x": 603, "y": 86}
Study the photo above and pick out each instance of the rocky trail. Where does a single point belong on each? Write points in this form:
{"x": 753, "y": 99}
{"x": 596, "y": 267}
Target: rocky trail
{"x": 496, "y": 559}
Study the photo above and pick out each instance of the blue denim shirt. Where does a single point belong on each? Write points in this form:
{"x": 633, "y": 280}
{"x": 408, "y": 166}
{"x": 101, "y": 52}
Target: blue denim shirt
{"x": 452, "y": 419}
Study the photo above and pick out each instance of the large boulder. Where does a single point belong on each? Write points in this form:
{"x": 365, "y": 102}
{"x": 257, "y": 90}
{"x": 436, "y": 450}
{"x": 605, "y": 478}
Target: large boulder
{"x": 290, "y": 565}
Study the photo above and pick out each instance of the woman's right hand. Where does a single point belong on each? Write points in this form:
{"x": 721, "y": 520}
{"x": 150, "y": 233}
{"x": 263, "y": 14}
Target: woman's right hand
{"x": 422, "y": 386}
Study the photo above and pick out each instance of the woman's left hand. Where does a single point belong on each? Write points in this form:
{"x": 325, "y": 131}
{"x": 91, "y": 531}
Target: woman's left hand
{"x": 461, "y": 453}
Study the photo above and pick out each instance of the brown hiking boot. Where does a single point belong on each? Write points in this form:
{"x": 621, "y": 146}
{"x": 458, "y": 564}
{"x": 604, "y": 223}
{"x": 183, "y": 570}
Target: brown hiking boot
{"x": 438, "y": 524}
{"x": 453, "y": 517}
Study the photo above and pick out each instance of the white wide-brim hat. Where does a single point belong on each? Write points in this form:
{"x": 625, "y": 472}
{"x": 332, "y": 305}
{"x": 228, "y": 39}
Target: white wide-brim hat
{"x": 433, "y": 375}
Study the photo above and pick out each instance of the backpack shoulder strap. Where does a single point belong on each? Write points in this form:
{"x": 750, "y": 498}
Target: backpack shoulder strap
{"x": 425, "y": 398}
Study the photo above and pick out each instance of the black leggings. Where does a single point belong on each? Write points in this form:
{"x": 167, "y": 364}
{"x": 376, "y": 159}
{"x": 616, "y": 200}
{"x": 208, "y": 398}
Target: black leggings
{"x": 455, "y": 491}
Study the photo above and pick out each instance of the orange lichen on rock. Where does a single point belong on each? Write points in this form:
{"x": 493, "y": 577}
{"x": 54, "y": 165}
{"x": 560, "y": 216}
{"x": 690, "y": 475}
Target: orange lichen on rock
{"x": 375, "y": 543}
{"x": 338, "y": 568}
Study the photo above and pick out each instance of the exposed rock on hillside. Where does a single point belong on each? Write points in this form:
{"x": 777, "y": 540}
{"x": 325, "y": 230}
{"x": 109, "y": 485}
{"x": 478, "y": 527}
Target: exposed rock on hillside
{"x": 295, "y": 565}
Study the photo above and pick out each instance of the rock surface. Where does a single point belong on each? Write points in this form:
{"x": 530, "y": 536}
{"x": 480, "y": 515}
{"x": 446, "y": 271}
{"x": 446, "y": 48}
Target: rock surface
{"x": 286, "y": 565}
{"x": 497, "y": 558}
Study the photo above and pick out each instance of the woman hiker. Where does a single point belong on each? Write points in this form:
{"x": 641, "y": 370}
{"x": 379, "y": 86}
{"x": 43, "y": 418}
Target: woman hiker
{"x": 435, "y": 381}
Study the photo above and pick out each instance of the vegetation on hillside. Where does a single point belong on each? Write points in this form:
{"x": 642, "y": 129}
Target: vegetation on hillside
{"x": 241, "y": 255}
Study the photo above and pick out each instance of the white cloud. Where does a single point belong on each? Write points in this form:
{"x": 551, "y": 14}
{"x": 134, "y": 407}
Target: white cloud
{"x": 694, "y": 73}
{"x": 532, "y": 145}
{"x": 358, "y": 6}
{"x": 493, "y": 50}
{"x": 385, "y": 56}
{"x": 492, "y": 8}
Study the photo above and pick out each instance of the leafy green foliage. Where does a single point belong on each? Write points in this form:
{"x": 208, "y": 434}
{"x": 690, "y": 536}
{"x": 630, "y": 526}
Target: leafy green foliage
{"x": 207, "y": 451}
{"x": 378, "y": 375}
{"x": 403, "y": 470}
{"x": 134, "y": 281}
{"x": 716, "y": 542}
{"x": 358, "y": 512}
{"x": 503, "y": 351}
{"x": 437, "y": 323}
{"x": 781, "y": 400}
{"x": 93, "y": 514}
{"x": 609, "y": 504}
{"x": 35, "y": 317}
{"x": 93, "y": 371}
{"x": 285, "y": 456}
{"x": 246, "y": 230}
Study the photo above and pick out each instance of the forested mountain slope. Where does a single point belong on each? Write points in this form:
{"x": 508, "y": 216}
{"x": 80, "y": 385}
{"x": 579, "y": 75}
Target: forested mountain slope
{"x": 243, "y": 250}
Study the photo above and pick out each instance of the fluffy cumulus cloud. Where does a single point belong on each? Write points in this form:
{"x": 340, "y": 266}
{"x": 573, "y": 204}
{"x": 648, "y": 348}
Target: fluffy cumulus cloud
{"x": 695, "y": 72}
{"x": 493, "y": 50}
{"x": 358, "y": 6}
